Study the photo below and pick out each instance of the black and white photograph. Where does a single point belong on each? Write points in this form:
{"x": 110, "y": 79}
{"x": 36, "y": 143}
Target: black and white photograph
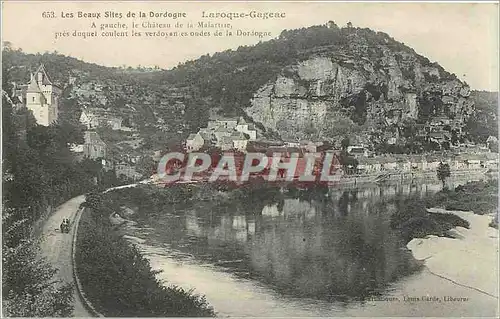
{"x": 260, "y": 159}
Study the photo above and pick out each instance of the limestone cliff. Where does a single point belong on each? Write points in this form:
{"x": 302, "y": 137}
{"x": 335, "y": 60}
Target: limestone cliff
{"x": 373, "y": 90}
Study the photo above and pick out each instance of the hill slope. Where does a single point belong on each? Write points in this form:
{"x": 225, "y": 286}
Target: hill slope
{"x": 484, "y": 123}
{"x": 321, "y": 82}
{"x": 327, "y": 82}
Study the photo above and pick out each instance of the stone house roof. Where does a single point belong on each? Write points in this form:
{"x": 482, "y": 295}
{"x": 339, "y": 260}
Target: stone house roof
{"x": 93, "y": 138}
{"x": 222, "y": 129}
{"x": 33, "y": 86}
{"x": 45, "y": 79}
{"x": 206, "y": 136}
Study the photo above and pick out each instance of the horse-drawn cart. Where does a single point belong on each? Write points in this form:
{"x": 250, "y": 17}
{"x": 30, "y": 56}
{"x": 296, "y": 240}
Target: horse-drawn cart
{"x": 65, "y": 226}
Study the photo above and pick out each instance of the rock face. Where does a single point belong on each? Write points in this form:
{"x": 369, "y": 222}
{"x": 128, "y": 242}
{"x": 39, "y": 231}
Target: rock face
{"x": 370, "y": 87}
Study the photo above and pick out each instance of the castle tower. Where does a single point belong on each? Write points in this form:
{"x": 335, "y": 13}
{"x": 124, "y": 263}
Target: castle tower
{"x": 42, "y": 97}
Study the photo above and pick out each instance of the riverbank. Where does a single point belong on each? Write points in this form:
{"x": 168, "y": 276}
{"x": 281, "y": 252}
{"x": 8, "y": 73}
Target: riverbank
{"x": 469, "y": 259}
{"x": 397, "y": 176}
{"x": 293, "y": 228}
{"x": 466, "y": 256}
{"x": 117, "y": 279}
{"x": 347, "y": 181}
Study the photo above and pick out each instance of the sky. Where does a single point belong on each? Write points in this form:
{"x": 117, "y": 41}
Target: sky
{"x": 462, "y": 37}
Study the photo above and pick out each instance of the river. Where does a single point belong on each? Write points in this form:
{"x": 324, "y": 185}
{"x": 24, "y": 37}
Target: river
{"x": 300, "y": 255}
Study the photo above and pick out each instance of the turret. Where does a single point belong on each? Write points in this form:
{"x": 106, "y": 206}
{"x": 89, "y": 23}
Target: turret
{"x": 40, "y": 77}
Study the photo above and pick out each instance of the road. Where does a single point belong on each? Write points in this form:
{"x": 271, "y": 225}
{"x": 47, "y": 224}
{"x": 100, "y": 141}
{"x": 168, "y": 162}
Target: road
{"x": 57, "y": 247}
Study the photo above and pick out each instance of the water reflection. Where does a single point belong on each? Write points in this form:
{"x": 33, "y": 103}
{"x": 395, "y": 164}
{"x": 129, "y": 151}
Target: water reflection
{"x": 335, "y": 246}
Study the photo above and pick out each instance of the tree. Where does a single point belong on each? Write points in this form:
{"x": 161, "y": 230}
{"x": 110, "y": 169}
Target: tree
{"x": 41, "y": 173}
{"x": 7, "y": 45}
{"x": 345, "y": 143}
{"x": 146, "y": 166}
{"x": 28, "y": 286}
{"x": 331, "y": 24}
{"x": 493, "y": 146}
{"x": 443, "y": 172}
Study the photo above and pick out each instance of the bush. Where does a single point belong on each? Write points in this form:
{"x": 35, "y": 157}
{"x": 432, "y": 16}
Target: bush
{"x": 414, "y": 221}
{"x": 494, "y": 222}
{"x": 29, "y": 288}
{"x": 479, "y": 196}
{"x": 119, "y": 280}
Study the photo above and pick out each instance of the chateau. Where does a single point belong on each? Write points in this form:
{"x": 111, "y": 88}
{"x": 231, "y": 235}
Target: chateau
{"x": 40, "y": 96}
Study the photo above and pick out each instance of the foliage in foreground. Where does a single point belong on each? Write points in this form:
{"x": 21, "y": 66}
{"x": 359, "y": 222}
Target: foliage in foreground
{"x": 414, "y": 221}
{"x": 443, "y": 172}
{"x": 119, "y": 280}
{"x": 28, "y": 286}
{"x": 481, "y": 197}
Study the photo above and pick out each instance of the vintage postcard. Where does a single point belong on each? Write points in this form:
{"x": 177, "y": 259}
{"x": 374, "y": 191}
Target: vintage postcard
{"x": 249, "y": 159}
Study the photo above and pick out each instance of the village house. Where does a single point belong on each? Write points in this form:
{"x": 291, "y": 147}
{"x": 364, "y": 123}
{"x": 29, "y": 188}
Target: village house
{"x": 220, "y": 133}
{"x": 472, "y": 161}
{"x": 95, "y": 117}
{"x": 491, "y": 141}
{"x": 115, "y": 122}
{"x": 433, "y": 162}
{"x": 225, "y": 143}
{"x": 88, "y": 119}
{"x": 227, "y": 123}
{"x": 239, "y": 141}
{"x": 157, "y": 155}
{"x": 440, "y": 121}
{"x": 491, "y": 161}
{"x": 415, "y": 163}
{"x": 406, "y": 166}
{"x": 426, "y": 163}
{"x": 390, "y": 165}
{"x": 93, "y": 147}
{"x": 368, "y": 166}
{"x": 440, "y": 137}
{"x": 473, "y": 164}
{"x": 212, "y": 125}
{"x": 236, "y": 141}
{"x": 392, "y": 140}
{"x": 208, "y": 135}
{"x": 246, "y": 128}
{"x": 310, "y": 146}
{"x": 194, "y": 142}
{"x": 76, "y": 148}
{"x": 291, "y": 142}
{"x": 357, "y": 150}
{"x": 460, "y": 164}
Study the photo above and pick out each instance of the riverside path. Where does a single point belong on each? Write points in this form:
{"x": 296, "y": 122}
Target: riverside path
{"x": 57, "y": 247}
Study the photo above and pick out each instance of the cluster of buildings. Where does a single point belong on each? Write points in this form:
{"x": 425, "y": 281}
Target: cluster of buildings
{"x": 224, "y": 133}
{"x": 426, "y": 163}
{"x": 41, "y": 96}
{"x": 94, "y": 117}
{"x": 97, "y": 117}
